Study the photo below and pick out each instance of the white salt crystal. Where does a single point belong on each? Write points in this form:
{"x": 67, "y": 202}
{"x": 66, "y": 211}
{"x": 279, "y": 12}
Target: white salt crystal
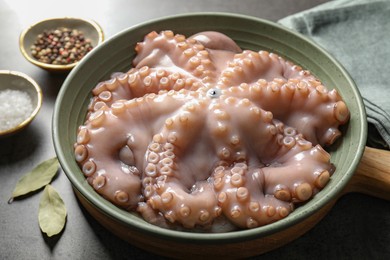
{"x": 15, "y": 107}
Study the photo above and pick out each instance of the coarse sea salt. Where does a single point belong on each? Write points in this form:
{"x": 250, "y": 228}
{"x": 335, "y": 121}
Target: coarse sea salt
{"x": 15, "y": 107}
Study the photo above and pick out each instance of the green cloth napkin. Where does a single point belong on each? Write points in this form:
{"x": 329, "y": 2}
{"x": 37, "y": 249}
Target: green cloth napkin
{"x": 357, "y": 33}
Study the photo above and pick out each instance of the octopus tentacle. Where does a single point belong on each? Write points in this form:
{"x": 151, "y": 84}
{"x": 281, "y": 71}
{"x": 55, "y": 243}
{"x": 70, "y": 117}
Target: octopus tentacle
{"x": 137, "y": 83}
{"x": 286, "y": 90}
{"x": 289, "y": 154}
{"x": 113, "y": 166}
{"x": 243, "y": 200}
{"x": 178, "y": 192}
{"x": 216, "y": 41}
{"x": 309, "y": 169}
{"x": 299, "y": 105}
{"x": 190, "y": 208}
{"x": 175, "y": 53}
{"x": 246, "y": 67}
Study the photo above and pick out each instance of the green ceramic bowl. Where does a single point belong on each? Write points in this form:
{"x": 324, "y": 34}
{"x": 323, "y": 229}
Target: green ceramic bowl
{"x": 250, "y": 33}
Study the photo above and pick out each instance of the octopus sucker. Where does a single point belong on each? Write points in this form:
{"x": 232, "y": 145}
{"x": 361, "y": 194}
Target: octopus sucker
{"x": 254, "y": 206}
{"x": 242, "y": 194}
{"x": 303, "y": 191}
{"x": 89, "y": 168}
{"x": 341, "y": 111}
{"x": 270, "y": 211}
{"x": 105, "y": 96}
{"x": 282, "y": 194}
{"x": 185, "y": 211}
{"x": 322, "y": 179}
{"x": 100, "y": 87}
{"x": 99, "y": 182}
{"x": 117, "y": 108}
{"x": 81, "y": 153}
{"x": 283, "y": 212}
{"x": 121, "y": 196}
{"x": 83, "y": 136}
{"x": 202, "y": 135}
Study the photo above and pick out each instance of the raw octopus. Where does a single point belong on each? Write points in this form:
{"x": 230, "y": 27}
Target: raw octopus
{"x": 202, "y": 135}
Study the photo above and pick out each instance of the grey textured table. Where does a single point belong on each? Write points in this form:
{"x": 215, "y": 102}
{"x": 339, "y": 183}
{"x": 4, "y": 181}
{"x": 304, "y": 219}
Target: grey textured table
{"x": 357, "y": 227}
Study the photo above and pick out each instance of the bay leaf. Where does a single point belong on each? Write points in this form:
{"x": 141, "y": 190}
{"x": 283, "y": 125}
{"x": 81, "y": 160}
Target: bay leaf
{"x": 52, "y": 212}
{"x": 40, "y": 176}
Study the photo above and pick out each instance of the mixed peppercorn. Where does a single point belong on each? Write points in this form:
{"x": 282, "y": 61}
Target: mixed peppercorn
{"x": 61, "y": 46}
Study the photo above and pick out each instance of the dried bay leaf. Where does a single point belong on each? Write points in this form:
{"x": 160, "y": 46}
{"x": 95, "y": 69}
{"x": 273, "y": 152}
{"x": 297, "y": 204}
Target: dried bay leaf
{"x": 52, "y": 212}
{"x": 40, "y": 176}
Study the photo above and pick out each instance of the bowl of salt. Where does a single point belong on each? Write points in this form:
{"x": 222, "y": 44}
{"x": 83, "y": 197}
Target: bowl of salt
{"x": 20, "y": 101}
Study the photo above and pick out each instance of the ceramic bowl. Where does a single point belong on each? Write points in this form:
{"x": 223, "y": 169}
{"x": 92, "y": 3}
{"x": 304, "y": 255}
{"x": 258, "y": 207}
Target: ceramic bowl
{"x": 13, "y": 80}
{"x": 249, "y": 33}
{"x": 89, "y": 28}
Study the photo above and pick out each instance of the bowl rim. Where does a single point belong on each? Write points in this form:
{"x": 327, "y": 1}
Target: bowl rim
{"x": 39, "y": 94}
{"x": 53, "y": 67}
{"x": 232, "y": 236}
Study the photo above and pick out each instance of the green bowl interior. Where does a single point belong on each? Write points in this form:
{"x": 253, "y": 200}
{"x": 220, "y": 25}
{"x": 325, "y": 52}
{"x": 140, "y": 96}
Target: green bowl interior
{"x": 250, "y": 33}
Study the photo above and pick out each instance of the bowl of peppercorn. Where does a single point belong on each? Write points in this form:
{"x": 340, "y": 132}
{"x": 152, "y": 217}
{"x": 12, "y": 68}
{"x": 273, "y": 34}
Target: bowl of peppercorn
{"x": 58, "y": 44}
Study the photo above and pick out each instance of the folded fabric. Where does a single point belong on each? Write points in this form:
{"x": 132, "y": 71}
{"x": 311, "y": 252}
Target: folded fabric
{"x": 357, "y": 34}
